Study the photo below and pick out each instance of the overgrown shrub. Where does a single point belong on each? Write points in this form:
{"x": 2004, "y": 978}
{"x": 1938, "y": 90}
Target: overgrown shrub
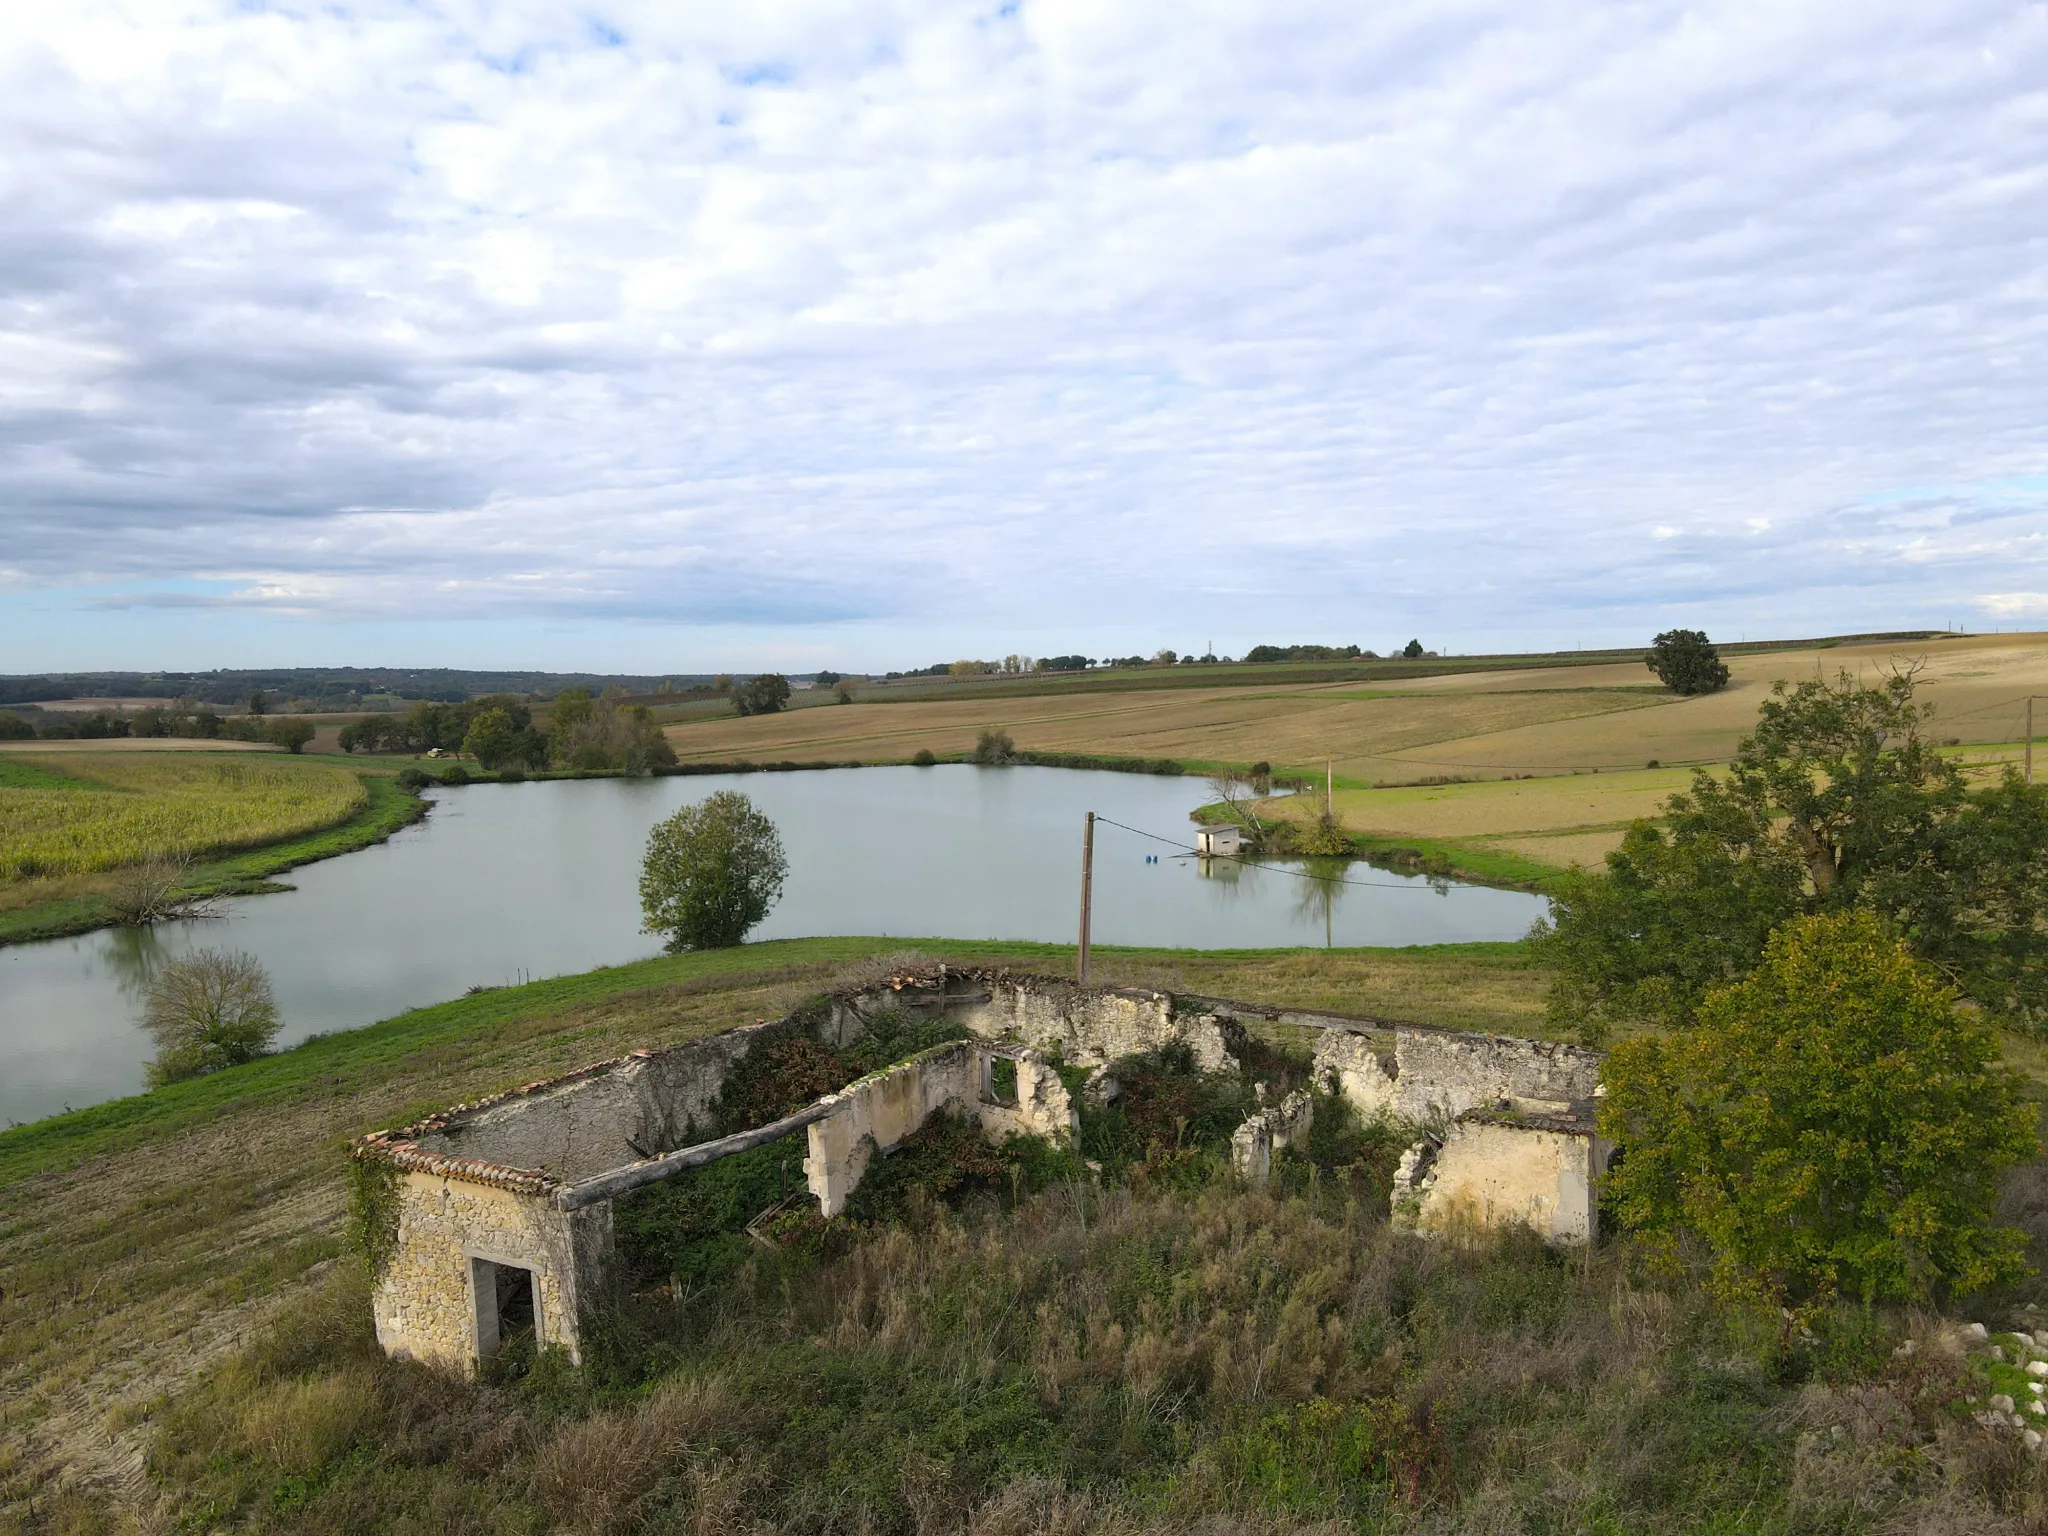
{"x": 208, "y": 1010}
{"x": 993, "y": 748}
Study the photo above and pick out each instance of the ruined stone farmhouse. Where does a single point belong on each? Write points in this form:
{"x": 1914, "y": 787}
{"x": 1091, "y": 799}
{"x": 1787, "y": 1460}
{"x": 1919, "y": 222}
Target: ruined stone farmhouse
{"x": 503, "y": 1206}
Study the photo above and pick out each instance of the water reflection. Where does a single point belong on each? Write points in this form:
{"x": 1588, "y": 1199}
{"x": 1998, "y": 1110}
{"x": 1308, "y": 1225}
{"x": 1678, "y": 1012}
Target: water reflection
{"x": 134, "y": 958}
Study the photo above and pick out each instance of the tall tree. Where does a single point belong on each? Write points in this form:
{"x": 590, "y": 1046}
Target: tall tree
{"x": 1685, "y": 661}
{"x": 1838, "y": 800}
{"x": 711, "y": 872}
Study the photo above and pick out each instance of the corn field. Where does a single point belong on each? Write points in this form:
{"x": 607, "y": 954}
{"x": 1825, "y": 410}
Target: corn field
{"x": 109, "y": 811}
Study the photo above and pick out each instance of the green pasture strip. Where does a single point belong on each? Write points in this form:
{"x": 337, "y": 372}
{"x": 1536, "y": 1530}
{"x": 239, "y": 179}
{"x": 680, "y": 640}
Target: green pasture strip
{"x": 25, "y": 773}
{"x": 339, "y": 1064}
{"x": 390, "y": 808}
{"x": 1467, "y": 860}
{"x": 1470, "y": 861}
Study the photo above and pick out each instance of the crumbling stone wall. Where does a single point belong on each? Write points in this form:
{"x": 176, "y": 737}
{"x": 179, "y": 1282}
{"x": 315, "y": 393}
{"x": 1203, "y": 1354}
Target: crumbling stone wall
{"x": 1437, "y": 1075}
{"x": 526, "y": 1178}
{"x": 601, "y": 1117}
{"x": 1496, "y": 1171}
{"x": 1087, "y": 1026}
{"x": 1252, "y": 1144}
{"x": 867, "y": 1118}
{"x": 424, "y": 1304}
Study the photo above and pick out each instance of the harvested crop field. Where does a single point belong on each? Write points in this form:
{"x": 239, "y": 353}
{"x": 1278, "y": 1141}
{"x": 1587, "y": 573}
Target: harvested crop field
{"x": 1541, "y": 721}
{"x": 77, "y": 813}
{"x": 1295, "y": 726}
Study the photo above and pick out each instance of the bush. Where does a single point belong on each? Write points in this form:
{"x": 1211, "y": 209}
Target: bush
{"x": 207, "y": 1010}
{"x": 147, "y": 893}
{"x": 924, "y": 758}
{"x": 1831, "y": 1126}
{"x": 14, "y": 728}
{"x": 711, "y": 872}
{"x": 994, "y": 749}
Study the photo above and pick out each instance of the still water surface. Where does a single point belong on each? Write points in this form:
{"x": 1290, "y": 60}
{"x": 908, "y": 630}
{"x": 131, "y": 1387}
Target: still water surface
{"x": 505, "y": 882}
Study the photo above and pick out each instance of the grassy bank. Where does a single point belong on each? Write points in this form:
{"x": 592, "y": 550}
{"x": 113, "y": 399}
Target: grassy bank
{"x": 80, "y": 904}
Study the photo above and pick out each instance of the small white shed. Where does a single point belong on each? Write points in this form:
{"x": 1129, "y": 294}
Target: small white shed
{"x": 1224, "y": 840}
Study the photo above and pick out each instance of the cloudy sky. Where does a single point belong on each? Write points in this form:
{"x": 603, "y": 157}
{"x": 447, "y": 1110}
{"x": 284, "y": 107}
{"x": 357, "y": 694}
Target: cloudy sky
{"x": 671, "y": 337}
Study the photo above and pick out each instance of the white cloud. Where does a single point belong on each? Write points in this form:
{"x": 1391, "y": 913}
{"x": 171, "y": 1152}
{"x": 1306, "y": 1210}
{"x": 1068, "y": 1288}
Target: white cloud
{"x": 2013, "y": 605}
{"x": 1003, "y": 322}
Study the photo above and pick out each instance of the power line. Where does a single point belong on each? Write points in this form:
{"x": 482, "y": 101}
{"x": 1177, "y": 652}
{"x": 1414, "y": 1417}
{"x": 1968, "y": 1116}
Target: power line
{"x": 1278, "y": 869}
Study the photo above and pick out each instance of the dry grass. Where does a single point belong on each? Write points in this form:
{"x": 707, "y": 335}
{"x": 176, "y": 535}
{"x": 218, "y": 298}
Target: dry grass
{"x": 1544, "y": 721}
{"x": 1558, "y": 725}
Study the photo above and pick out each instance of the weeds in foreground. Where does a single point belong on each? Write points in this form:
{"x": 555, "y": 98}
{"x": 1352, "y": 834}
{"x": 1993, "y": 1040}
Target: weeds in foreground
{"x": 1100, "y": 1360}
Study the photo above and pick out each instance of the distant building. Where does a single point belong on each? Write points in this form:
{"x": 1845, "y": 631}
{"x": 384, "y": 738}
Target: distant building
{"x": 1221, "y": 841}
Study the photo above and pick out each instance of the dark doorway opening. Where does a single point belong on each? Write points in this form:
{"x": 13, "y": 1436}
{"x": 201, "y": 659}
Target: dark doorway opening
{"x": 507, "y": 1307}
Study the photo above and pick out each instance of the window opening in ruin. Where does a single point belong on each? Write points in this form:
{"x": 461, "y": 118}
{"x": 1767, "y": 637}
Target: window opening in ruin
{"x": 507, "y": 1311}
{"x": 1002, "y": 1082}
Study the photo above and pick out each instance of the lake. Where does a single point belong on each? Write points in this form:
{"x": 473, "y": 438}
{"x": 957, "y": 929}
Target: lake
{"x": 510, "y": 882}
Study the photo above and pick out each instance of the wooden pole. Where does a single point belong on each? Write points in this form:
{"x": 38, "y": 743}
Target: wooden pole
{"x": 1330, "y": 787}
{"x": 1087, "y": 889}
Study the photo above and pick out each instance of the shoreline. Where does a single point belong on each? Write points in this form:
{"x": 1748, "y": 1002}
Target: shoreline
{"x": 243, "y": 873}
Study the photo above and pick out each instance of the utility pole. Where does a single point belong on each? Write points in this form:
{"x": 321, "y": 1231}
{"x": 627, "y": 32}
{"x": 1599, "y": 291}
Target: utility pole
{"x": 2030, "y": 738}
{"x": 1087, "y": 889}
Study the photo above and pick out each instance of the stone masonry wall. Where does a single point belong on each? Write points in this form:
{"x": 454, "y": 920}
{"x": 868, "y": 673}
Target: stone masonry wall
{"x": 423, "y": 1304}
{"x": 1252, "y": 1144}
{"x": 1490, "y": 1174}
{"x": 879, "y": 1111}
{"x": 875, "y": 1113}
{"x": 1439, "y": 1074}
{"x": 620, "y": 1112}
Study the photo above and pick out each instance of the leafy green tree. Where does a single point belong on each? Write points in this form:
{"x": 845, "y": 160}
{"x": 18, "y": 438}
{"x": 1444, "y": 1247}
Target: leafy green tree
{"x": 606, "y": 733}
{"x": 1412, "y": 649}
{"x": 14, "y": 728}
{"x": 288, "y": 733}
{"x": 207, "y": 1010}
{"x": 762, "y": 694}
{"x": 1838, "y": 800}
{"x": 711, "y": 872}
{"x": 1832, "y": 1126}
{"x": 493, "y": 740}
{"x": 1685, "y": 661}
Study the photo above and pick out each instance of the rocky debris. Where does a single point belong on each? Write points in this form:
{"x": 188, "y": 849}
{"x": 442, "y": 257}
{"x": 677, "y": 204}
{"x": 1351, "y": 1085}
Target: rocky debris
{"x": 2023, "y": 1349}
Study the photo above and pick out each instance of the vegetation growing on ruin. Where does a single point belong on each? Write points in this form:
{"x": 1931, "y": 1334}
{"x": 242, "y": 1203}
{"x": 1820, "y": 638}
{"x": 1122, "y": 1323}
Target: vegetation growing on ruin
{"x": 1103, "y": 1359}
{"x": 691, "y": 1229}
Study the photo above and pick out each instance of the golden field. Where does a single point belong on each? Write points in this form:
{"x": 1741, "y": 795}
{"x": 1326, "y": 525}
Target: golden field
{"x": 1556, "y": 724}
{"x": 76, "y": 813}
